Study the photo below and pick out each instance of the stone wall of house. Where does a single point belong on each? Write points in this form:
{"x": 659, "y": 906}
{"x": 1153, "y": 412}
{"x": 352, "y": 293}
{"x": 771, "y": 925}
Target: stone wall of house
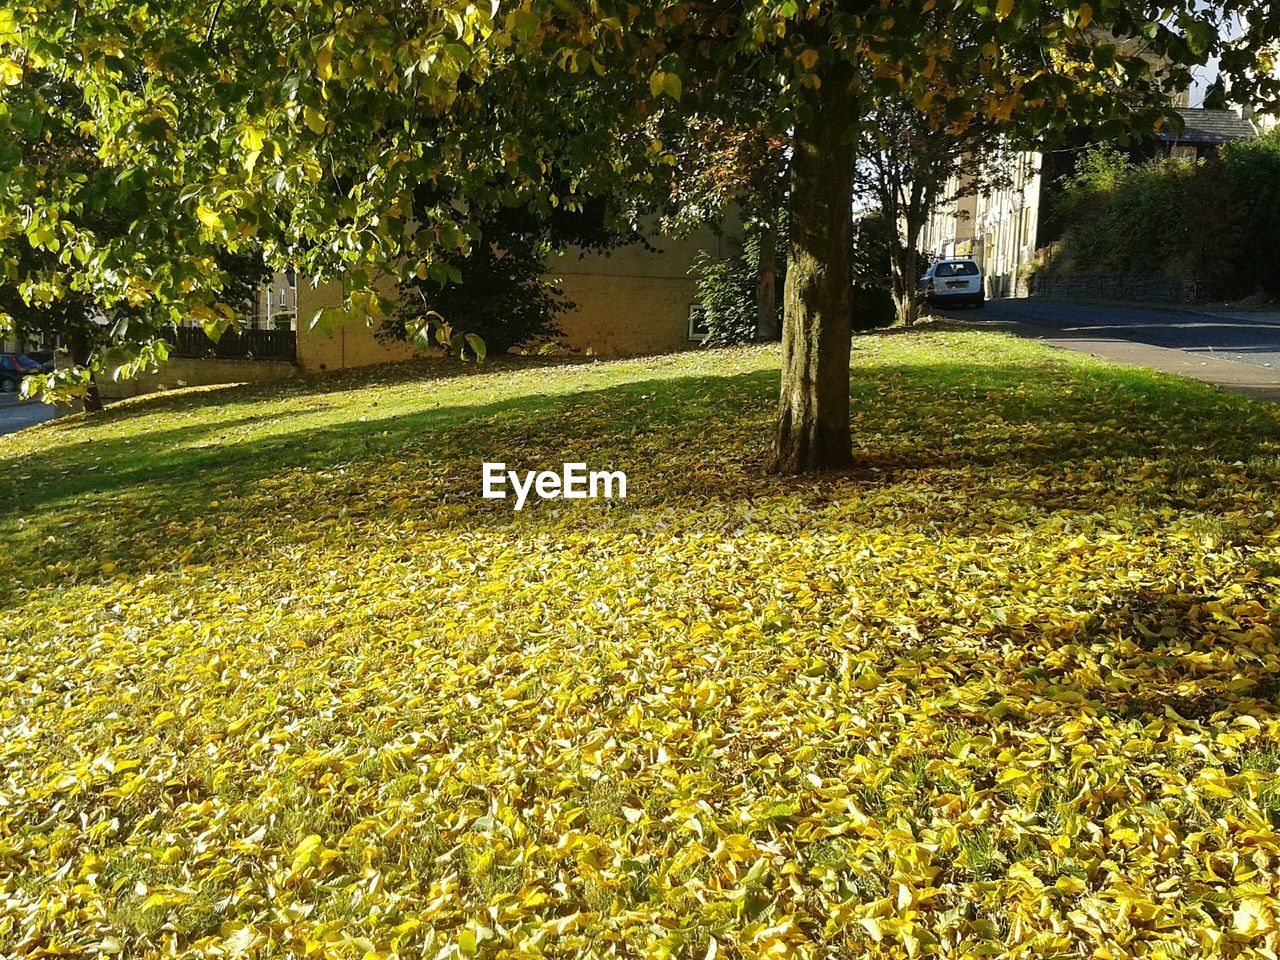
{"x": 625, "y": 315}
{"x": 1114, "y": 287}
{"x": 188, "y": 372}
{"x": 634, "y": 299}
{"x": 351, "y": 344}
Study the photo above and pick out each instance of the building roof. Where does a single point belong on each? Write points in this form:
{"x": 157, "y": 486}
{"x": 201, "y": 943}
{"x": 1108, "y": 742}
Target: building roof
{"x": 1203, "y": 126}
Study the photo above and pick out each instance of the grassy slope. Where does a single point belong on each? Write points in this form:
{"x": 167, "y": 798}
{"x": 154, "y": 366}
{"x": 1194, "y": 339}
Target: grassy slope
{"x": 273, "y": 677}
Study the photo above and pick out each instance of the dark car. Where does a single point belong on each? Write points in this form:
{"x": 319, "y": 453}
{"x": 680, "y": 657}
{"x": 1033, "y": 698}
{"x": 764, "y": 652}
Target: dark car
{"x": 45, "y": 358}
{"x": 14, "y": 368}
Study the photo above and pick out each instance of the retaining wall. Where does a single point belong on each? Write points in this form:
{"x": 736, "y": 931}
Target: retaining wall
{"x": 1115, "y": 287}
{"x": 188, "y": 372}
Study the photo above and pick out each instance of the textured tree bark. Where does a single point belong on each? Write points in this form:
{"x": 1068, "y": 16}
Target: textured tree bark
{"x": 906, "y": 274}
{"x": 813, "y": 416}
{"x": 91, "y": 402}
{"x": 767, "y": 285}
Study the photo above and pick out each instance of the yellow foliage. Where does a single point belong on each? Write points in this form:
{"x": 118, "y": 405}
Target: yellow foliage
{"x": 275, "y": 681}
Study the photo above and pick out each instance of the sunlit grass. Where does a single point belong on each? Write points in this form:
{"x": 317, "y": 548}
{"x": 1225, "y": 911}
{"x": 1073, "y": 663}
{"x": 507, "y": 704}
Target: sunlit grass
{"x": 274, "y": 679}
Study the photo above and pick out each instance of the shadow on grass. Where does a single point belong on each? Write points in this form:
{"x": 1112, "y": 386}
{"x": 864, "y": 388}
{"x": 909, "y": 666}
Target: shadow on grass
{"x": 969, "y": 444}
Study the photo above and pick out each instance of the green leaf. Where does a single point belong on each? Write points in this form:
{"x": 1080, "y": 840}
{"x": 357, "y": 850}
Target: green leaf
{"x": 327, "y": 319}
{"x": 524, "y": 24}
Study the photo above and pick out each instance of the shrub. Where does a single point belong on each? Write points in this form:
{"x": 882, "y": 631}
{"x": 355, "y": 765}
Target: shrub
{"x": 1211, "y": 220}
{"x": 873, "y": 238}
{"x": 1252, "y": 170}
{"x": 727, "y": 295}
{"x": 1128, "y": 218}
{"x": 727, "y": 288}
{"x": 503, "y": 296}
{"x": 500, "y": 290}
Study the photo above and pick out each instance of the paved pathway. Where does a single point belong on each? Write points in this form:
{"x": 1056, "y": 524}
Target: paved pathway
{"x": 1236, "y": 351}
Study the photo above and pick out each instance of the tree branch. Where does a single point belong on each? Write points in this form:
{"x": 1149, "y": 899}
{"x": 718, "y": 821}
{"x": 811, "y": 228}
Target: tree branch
{"x": 213, "y": 22}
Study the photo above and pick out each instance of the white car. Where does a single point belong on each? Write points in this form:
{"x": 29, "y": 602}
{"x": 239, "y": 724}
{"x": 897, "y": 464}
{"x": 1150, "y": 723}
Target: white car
{"x": 954, "y": 282}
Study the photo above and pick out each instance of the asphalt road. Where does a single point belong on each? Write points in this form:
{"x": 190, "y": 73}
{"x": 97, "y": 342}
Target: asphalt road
{"x": 16, "y": 414}
{"x": 1252, "y": 339}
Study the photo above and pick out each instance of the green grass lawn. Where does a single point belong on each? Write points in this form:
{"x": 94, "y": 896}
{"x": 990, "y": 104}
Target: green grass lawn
{"x": 276, "y": 681}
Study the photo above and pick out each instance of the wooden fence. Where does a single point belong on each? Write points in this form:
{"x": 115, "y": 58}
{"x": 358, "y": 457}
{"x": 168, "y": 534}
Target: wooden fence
{"x": 235, "y": 344}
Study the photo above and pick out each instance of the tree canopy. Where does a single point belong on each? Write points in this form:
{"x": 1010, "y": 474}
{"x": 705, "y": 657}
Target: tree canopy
{"x": 305, "y": 127}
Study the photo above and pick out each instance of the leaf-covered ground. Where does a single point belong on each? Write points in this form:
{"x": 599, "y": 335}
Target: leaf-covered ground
{"x": 275, "y": 681}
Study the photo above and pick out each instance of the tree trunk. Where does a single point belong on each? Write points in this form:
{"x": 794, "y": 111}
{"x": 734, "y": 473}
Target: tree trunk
{"x": 81, "y": 354}
{"x": 767, "y": 284}
{"x": 813, "y": 416}
{"x": 91, "y": 402}
{"x": 906, "y": 275}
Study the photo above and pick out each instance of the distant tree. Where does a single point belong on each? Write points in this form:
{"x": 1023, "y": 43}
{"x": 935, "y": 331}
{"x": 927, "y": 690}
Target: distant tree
{"x": 737, "y": 162}
{"x": 41, "y": 289}
{"x": 911, "y": 161}
{"x": 1215, "y": 98}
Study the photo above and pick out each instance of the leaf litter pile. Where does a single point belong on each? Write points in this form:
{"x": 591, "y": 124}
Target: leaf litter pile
{"x": 276, "y": 681}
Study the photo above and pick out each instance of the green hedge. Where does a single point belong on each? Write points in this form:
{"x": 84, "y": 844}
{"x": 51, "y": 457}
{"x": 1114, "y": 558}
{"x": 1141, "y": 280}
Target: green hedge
{"x": 1212, "y": 220}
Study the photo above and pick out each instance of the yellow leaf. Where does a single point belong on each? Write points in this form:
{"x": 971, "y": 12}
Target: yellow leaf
{"x": 1003, "y": 8}
{"x": 209, "y": 217}
{"x": 1069, "y": 884}
{"x": 314, "y": 120}
{"x": 467, "y": 943}
{"x": 1252, "y": 918}
{"x": 872, "y": 926}
{"x": 324, "y": 61}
